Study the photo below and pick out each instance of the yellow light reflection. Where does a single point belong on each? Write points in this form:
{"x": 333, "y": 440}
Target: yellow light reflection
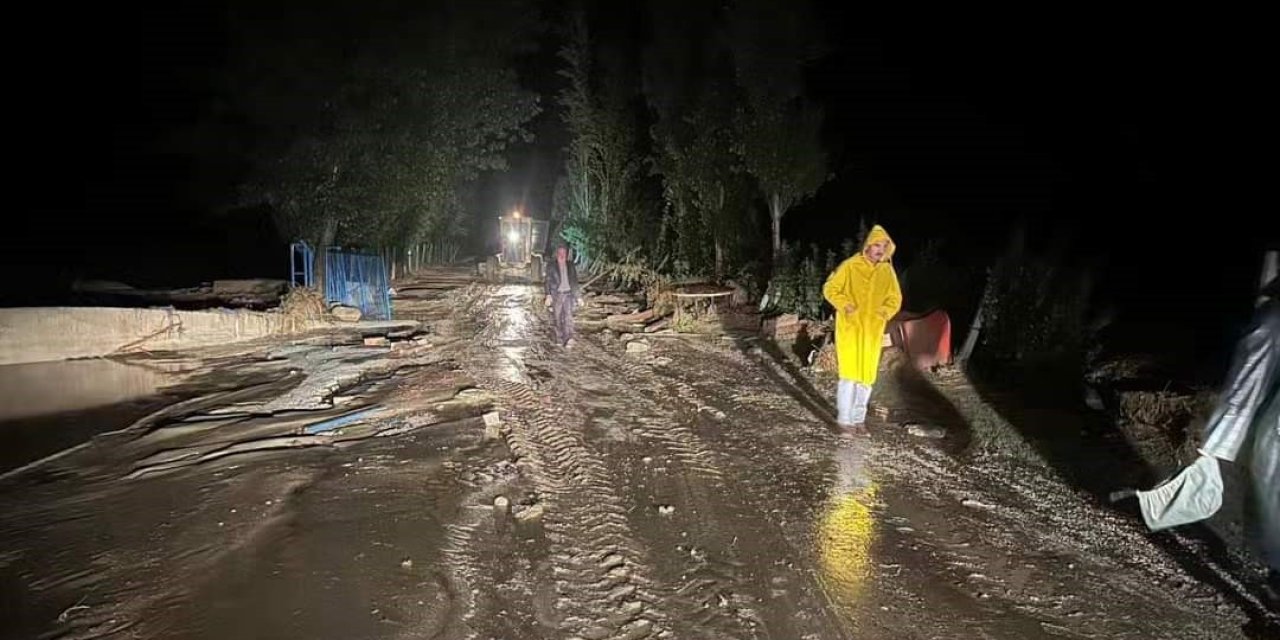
{"x": 846, "y": 532}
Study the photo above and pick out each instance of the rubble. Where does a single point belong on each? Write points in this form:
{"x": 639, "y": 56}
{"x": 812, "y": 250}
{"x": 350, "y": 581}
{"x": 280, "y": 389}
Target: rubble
{"x": 658, "y": 325}
{"x": 259, "y": 293}
{"x": 785, "y": 327}
{"x": 492, "y": 426}
{"x": 923, "y": 431}
{"x": 344, "y": 313}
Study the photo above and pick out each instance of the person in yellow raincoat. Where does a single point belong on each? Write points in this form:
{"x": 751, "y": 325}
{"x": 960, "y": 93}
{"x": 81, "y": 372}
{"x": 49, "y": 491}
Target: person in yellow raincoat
{"x": 864, "y": 291}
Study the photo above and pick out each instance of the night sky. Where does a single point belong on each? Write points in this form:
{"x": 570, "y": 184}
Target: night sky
{"x": 1116, "y": 129}
{"x": 947, "y": 127}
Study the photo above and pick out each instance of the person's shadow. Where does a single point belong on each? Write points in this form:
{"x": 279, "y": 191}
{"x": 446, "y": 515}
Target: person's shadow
{"x": 787, "y": 374}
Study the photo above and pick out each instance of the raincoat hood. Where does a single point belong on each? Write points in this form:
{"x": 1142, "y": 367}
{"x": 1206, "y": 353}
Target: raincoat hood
{"x": 878, "y": 234}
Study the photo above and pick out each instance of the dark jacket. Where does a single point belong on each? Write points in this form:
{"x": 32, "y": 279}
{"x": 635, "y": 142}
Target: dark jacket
{"x": 552, "y": 280}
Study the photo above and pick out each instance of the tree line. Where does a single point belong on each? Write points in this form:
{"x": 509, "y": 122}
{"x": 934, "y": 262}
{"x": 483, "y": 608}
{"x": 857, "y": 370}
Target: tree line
{"x": 687, "y": 144}
{"x": 687, "y": 149}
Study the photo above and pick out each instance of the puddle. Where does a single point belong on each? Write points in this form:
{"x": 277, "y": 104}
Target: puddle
{"x": 45, "y": 388}
{"x": 847, "y": 531}
{"x": 48, "y": 406}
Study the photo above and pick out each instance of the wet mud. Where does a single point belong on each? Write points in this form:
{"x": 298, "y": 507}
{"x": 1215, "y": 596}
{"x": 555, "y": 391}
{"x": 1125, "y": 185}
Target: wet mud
{"x": 482, "y": 482}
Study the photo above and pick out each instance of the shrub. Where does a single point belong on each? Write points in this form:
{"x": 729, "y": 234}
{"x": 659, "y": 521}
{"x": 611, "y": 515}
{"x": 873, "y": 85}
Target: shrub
{"x": 796, "y": 286}
{"x": 1034, "y": 309}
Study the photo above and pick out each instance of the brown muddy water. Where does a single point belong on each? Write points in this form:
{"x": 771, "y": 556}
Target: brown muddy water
{"x": 46, "y": 407}
{"x": 683, "y": 490}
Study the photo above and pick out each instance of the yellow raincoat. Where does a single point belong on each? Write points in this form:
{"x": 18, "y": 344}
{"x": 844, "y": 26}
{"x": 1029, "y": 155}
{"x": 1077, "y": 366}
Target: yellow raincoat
{"x": 873, "y": 289}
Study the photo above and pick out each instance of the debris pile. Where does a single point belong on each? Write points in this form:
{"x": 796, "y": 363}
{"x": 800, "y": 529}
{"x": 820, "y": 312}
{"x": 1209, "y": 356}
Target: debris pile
{"x": 259, "y": 294}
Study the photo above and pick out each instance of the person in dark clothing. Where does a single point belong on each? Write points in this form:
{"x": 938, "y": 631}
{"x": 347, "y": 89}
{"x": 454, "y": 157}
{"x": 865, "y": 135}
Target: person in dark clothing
{"x": 562, "y": 294}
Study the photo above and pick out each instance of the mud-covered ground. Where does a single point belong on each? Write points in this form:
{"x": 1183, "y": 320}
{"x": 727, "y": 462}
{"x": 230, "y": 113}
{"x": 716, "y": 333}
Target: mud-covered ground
{"x": 679, "y": 488}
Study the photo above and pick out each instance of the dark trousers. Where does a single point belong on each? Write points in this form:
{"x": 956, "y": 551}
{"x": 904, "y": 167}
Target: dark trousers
{"x": 562, "y": 305}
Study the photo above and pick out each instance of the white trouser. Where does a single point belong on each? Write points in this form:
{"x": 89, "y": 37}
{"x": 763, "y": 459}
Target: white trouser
{"x": 851, "y": 402}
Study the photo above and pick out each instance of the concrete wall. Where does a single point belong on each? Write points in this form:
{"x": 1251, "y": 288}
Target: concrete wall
{"x": 42, "y": 334}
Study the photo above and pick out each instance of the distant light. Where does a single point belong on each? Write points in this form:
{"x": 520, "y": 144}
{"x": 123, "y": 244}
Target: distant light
{"x": 516, "y": 213}
{"x": 513, "y": 236}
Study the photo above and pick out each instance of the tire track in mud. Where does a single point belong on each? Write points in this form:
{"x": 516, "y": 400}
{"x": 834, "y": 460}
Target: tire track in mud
{"x": 464, "y": 563}
{"x": 716, "y": 581}
{"x": 820, "y": 511}
{"x": 782, "y": 452}
{"x": 709, "y": 593}
{"x": 740, "y": 386}
{"x": 597, "y": 567}
{"x": 675, "y": 435}
{"x": 613, "y": 574}
{"x": 741, "y": 566}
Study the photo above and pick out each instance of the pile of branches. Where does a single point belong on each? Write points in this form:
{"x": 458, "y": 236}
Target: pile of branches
{"x": 633, "y": 273}
{"x": 1163, "y": 425}
{"x": 303, "y": 307}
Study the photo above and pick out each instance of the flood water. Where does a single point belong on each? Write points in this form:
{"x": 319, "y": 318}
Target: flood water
{"x": 48, "y": 406}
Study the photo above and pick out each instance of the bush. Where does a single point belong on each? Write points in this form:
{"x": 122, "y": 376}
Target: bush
{"x": 931, "y": 282}
{"x": 749, "y": 277}
{"x": 796, "y": 286}
{"x": 1034, "y": 309}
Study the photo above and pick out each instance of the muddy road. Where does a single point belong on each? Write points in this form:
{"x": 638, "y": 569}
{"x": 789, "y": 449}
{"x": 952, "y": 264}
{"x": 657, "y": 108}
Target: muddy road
{"x": 676, "y": 488}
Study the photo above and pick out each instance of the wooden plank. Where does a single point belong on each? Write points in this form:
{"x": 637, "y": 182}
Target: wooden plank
{"x": 639, "y": 317}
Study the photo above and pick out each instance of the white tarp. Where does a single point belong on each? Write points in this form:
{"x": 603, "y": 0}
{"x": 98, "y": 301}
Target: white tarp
{"x": 1191, "y": 496}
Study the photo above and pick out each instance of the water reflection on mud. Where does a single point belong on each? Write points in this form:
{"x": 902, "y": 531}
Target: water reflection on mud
{"x": 514, "y": 318}
{"x": 847, "y": 529}
{"x": 46, "y": 407}
{"x": 513, "y": 334}
{"x": 45, "y": 388}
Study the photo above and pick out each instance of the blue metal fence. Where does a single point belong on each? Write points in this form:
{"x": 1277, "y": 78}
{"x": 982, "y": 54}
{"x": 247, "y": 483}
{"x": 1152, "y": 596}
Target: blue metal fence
{"x": 301, "y": 264}
{"x": 353, "y": 279}
{"x": 358, "y": 280}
